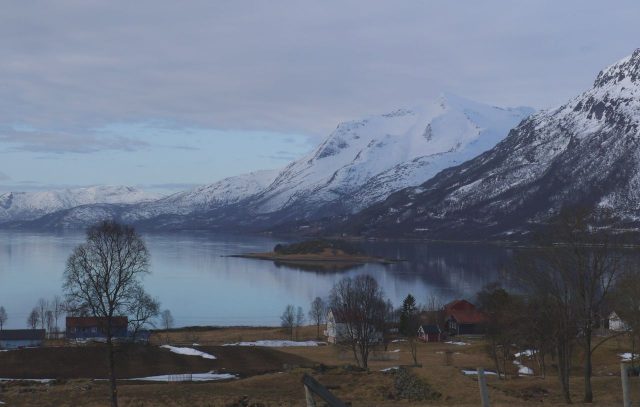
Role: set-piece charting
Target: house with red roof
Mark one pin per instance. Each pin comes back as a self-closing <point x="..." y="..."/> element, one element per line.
<point x="463" y="318"/>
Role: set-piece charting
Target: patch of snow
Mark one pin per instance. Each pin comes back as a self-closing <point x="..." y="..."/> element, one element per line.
<point x="522" y="369"/>
<point x="475" y="372"/>
<point x="396" y="350"/>
<point x="188" y="351"/>
<point x="5" y="379"/>
<point x="526" y="353"/>
<point x="457" y="343"/>
<point x="398" y="340"/>
<point x="626" y="357"/>
<point x="194" y="377"/>
<point x="390" y="369"/>
<point x="276" y="343"/>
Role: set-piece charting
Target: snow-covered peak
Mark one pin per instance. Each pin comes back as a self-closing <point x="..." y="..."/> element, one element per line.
<point x="414" y="144"/>
<point x="625" y="71"/>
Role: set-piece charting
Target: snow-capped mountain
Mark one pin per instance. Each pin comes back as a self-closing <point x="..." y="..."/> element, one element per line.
<point x="363" y="161"/>
<point x="585" y="152"/>
<point x="209" y="197"/>
<point x="360" y="163"/>
<point x="32" y="205"/>
<point x="156" y="212"/>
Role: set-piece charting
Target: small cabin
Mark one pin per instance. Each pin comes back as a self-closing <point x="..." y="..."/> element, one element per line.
<point x="430" y="333"/>
<point x="616" y="323"/>
<point x="96" y="327"/>
<point x="463" y="318"/>
<point x="21" y="338"/>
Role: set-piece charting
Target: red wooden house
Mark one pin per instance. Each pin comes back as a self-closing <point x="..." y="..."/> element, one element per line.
<point x="95" y="327"/>
<point x="430" y="333"/>
<point x="463" y="318"/>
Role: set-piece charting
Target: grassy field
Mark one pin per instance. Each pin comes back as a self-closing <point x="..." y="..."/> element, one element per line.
<point x="270" y="377"/>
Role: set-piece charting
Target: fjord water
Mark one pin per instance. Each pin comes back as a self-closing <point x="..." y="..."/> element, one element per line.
<point x="193" y="277"/>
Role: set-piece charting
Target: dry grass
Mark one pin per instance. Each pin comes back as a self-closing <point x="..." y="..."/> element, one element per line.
<point x="360" y="388"/>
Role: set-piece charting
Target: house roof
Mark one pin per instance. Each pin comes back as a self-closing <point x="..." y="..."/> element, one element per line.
<point x="88" y="322"/>
<point x="464" y="312"/>
<point x="22" y="334"/>
<point x="431" y="329"/>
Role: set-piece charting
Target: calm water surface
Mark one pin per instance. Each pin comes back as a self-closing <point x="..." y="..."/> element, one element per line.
<point x="192" y="277"/>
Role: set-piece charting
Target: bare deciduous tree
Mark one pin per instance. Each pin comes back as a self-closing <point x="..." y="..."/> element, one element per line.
<point x="33" y="319"/>
<point x="58" y="308"/>
<point x="318" y="313"/>
<point x="42" y="306"/>
<point x="50" y="320"/>
<point x="288" y="319"/>
<point x="167" y="319"/>
<point x="573" y="271"/>
<point x="3" y="317"/>
<point x="299" y="320"/>
<point x="359" y="302"/>
<point x="103" y="276"/>
<point x="143" y="311"/>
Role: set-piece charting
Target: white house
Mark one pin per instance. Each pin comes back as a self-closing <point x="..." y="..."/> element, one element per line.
<point x="336" y="330"/>
<point x="616" y="323"/>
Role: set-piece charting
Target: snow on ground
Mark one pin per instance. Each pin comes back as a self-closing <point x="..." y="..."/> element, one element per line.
<point x="398" y="340"/>
<point x="194" y="377"/>
<point x="5" y="379"/>
<point x="522" y="369"/>
<point x="277" y="343"/>
<point x="1" y="402"/>
<point x="475" y="372"/>
<point x="457" y="343"/>
<point x="626" y="357"/>
<point x="526" y="353"/>
<point x="188" y="351"/>
<point x="390" y="369"/>
<point x="396" y="350"/>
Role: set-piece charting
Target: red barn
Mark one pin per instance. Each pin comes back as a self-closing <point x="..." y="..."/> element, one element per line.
<point x="95" y="327"/>
<point x="430" y="333"/>
<point x="463" y="318"/>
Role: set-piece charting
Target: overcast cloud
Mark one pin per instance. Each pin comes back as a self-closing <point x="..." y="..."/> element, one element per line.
<point x="294" y="68"/>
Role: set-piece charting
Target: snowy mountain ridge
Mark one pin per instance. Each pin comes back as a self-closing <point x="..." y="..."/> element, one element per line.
<point x="31" y="205"/>
<point x="359" y="164"/>
<point x="363" y="161"/>
<point x="584" y="152"/>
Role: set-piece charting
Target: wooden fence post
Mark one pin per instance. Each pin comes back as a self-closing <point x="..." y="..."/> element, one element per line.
<point x="626" y="395"/>
<point x="482" y="382"/>
<point x="309" y="397"/>
<point x="311" y="387"/>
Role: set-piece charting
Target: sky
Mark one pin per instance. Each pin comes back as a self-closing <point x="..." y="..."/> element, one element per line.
<point x="166" y="95"/>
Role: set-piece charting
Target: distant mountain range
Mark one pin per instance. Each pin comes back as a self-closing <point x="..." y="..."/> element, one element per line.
<point x="33" y="205"/>
<point x="585" y="152"/>
<point x="451" y="169"/>
<point x="361" y="163"/>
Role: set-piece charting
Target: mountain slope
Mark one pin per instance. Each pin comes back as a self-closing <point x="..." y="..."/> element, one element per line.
<point x="32" y="205"/>
<point x="587" y="151"/>
<point x="360" y="163"/>
<point x="363" y="161"/>
<point x="209" y="197"/>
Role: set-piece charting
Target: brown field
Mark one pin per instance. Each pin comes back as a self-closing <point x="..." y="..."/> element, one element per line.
<point x="272" y="377"/>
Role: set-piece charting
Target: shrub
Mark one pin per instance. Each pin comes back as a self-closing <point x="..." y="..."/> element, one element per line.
<point x="408" y="386"/>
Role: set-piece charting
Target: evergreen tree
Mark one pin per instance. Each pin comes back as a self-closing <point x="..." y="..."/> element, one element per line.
<point x="409" y="310"/>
